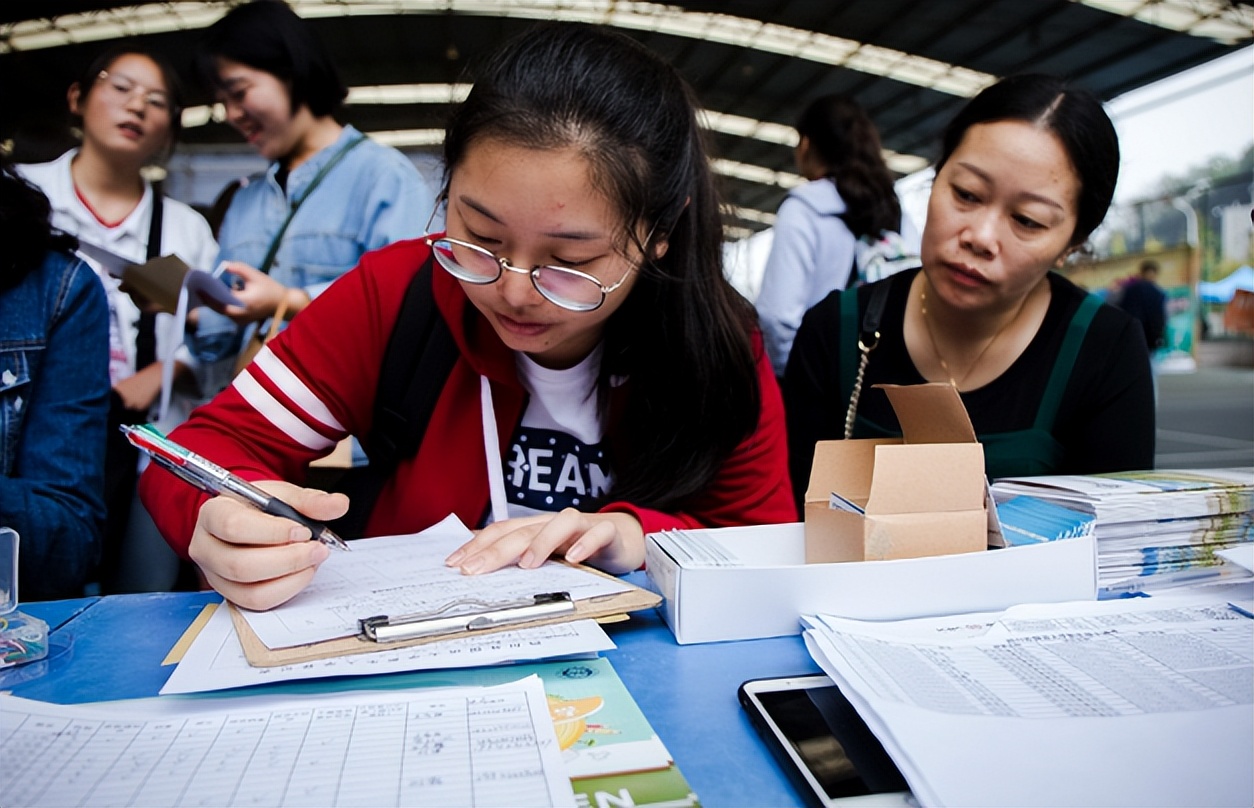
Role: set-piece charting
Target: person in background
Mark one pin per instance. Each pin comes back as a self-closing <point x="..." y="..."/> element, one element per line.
<point x="581" y="283"/>
<point x="1144" y="300"/>
<point x="128" y="103"/>
<point x="1055" y="382"/>
<point x="54" y="397"/>
<point x="281" y="91"/>
<point x="847" y="207"/>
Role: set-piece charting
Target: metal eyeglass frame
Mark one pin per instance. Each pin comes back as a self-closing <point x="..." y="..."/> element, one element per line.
<point x="157" y="99"/>
<point x="504" y="265"/>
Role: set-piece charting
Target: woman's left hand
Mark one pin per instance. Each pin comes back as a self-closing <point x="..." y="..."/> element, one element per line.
<point x="613" y="542"/>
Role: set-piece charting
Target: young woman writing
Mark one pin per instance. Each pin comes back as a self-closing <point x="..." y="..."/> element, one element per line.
<point x="580" y="277"/>
<point x="1054" y="382"/>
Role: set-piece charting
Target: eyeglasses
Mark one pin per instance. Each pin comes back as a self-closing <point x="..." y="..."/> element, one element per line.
<point x="124" y="87"/>
<point x="569" y="288"/>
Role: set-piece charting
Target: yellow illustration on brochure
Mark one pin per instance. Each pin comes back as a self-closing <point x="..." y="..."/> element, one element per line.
<point x="569" y="718"/>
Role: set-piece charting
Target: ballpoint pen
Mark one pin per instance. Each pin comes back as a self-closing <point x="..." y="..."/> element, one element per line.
<point x="213" y="479"/>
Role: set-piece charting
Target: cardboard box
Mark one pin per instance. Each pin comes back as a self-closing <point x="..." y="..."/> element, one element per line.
<point x="745" y="583"/>
<point x="924" y="494"/>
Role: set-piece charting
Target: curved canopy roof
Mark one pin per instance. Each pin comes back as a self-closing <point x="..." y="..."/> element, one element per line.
<point x="754" y="64"/>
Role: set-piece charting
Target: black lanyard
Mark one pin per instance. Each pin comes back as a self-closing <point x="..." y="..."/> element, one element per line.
<point x="146" y="337"/>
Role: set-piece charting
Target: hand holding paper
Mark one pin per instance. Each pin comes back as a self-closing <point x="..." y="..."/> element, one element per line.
<point x="161" y="280"/>
<point x="259" y="296"/>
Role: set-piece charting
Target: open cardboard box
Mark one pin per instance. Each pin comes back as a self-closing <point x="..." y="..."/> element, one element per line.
<point x="923" y="494"/>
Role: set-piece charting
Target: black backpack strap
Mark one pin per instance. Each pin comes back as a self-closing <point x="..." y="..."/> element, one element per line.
<point x="417" y="362"/>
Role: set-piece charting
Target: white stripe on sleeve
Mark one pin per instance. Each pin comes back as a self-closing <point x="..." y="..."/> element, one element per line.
<point x="292" y="387"/>
<point x="277" y="414"/>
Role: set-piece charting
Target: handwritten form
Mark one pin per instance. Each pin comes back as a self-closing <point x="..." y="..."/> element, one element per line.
<point x="215" y="660"/>
<point x="1148" y="701"/>
<point x="490" y="746"/>
<point x="395" y="575"/>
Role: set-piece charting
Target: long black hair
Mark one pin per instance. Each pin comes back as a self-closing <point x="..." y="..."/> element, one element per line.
<point x="683" y="334"/>
<point x="846" y="142"/>
<point x="25" y="229"/>
<point x="1073" y="115"/>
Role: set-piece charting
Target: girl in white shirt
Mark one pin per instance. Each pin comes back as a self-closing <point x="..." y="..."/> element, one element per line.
<point x="128" y="103"/>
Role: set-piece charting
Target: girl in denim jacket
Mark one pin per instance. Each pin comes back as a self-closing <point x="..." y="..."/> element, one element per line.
<point x="54" y="397"/>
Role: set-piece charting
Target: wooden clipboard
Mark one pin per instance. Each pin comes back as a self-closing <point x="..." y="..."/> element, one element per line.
<point x="259" y="655"/>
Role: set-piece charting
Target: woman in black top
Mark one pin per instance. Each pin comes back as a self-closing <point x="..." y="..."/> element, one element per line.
<point x="1054" y="381"/>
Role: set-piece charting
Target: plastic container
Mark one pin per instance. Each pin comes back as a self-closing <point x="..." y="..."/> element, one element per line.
<point x="22" y="638"/>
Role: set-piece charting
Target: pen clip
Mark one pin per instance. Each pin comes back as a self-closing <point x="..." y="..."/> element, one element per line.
<point x="382" y="628"/>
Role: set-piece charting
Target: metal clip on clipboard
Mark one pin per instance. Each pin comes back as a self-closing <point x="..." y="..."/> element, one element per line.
<point x="382" y="628"/>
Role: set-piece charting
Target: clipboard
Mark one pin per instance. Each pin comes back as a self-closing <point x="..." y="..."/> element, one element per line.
<point x="614" y="606"/>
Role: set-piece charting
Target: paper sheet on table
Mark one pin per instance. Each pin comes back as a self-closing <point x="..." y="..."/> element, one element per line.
<point x="491" y="746"/>
<point x="394" y="575"/>
<point x="1127" y="702"/>
<point x="1242" y="555"/>
<point x="215" y="660"/>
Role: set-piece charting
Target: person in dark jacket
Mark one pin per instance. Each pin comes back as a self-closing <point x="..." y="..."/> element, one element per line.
<point x="1144" y="299"/>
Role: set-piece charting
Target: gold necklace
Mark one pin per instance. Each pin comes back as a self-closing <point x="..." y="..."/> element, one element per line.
<point x="931" y="337"/>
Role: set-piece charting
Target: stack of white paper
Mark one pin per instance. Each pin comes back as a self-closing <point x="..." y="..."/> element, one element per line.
<point x="1138" y="702"/>
<point x="1154" y="529"/>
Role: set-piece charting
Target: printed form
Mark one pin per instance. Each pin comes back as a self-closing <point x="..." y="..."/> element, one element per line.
<point x="396" y="575"/>
<point x="216" y="661"/>
<point x="492" y="746"/>
<point x="1146" y="701"/>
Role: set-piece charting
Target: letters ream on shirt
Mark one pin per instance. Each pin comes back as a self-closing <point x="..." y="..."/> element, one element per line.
<point x="549" y="470"/>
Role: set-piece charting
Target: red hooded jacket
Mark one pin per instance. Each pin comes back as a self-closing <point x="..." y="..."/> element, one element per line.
<point x="315" y="383"/>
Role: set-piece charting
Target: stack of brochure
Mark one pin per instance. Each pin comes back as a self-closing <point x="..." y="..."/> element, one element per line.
<point x="1140" y="701"/>
<point x="1154" y="529"/>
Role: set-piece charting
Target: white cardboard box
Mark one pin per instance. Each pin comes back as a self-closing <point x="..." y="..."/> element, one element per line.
<point x="744" y="583"/>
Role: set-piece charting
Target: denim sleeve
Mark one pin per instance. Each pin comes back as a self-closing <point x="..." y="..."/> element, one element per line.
<point x="401" y="202"/>
<point x="54" y="501"/>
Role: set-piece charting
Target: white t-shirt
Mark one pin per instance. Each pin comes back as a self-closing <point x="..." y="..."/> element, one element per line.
<point x="184" y="232"/>
<point x="556" y="458"/>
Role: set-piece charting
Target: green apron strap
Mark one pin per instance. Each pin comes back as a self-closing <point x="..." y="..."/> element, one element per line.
<point x="1065" y="361"/>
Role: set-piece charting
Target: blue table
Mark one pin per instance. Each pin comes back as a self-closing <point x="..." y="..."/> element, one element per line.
<point x="116" y="645"/>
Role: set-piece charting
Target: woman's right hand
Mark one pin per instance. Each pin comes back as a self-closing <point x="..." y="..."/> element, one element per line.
<point x="255" y="560"/>
<point x="260" y="295"/>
